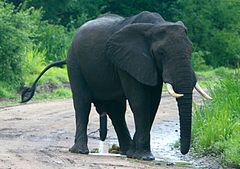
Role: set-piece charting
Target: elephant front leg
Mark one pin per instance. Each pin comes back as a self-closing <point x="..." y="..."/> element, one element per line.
<point x="139" y="97"/>
<point x="142" y="118"/>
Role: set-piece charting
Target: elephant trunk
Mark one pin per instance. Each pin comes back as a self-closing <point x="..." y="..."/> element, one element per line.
<point x="185" y="113"/>
<point x="182" y="77"/>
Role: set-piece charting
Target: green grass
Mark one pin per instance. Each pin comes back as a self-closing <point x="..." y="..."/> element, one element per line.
<point x="216" y="124"/>
<point x="35" y="63"/>
<point x="60" y="93"/>
<point x="208" y="78"/>
<point x="218" y="72"/>
<point x="53" y="75"/>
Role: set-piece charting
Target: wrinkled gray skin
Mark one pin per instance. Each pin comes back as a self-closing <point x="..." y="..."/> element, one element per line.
<point x="114" y="59"/>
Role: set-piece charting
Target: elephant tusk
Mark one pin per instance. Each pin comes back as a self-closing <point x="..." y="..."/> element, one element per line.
<point x="201" y="91"/>
<point x="172" y="92"/>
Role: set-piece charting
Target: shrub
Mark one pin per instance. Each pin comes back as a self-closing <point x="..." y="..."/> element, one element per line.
<point x="6" y="91"/>
<point x="25" y="43"/>
<point x="225" y="49"/>
<point x="34" y="63"/>
<point x="214" y="26"/>
<point x="16" y="31"/>
<point x="54" y="40"/>
<point x="198" y="62"/>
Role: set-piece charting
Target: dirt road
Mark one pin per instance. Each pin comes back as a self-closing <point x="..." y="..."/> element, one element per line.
<point x="38" y="135"/>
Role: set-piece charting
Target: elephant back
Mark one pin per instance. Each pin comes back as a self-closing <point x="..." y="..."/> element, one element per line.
<point x="145" y="17"/>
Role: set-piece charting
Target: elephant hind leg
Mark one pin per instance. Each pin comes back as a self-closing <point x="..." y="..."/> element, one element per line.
<point x="116" y="112"/>
<point x="82" y="106"/>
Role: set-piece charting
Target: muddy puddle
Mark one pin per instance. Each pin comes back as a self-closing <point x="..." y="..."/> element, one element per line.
<point x="164" y="143"/>
<point x="165" y="136"/>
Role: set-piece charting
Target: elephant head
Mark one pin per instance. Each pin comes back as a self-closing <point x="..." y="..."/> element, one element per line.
<point x="157" y="53"/>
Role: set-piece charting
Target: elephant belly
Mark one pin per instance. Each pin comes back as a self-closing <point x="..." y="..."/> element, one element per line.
<point x="104" y="84"/>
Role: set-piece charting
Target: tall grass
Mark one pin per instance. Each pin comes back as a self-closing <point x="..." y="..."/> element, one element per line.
<point x="35" y="63"/>
<point x="216" y="124"/>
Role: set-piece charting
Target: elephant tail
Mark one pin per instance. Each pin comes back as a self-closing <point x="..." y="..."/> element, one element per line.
<point x="103" y="126"/>
<point x="28" y="92"/>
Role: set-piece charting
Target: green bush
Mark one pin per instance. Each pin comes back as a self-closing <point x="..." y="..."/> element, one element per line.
<point x="75" y="12"/>
<point x="26" y="43"/>
<point x="34" y="63"/>
<point x="16" y="31"/>
<point x="54" y="40"/>
<point x="6" y="90"/>
<point x="225" y="48"/>
<point x="214" y="26"/>
<point x="198" y="62"/>
<point x="216" y="124"/>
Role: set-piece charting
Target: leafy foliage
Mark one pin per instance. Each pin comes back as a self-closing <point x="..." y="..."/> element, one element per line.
<point x="16" y="31"/>
<point x="34" y="63"/>
<point x="76" y="12"/>
<point x="168" y="9"/>
<point x="54" y="40"/>
<point x="198" y="62"/>
<point x="21" y="33"/>
<point x="213" y="26"/>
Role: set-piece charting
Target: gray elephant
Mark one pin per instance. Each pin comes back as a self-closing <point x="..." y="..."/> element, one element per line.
<point x="113" y="59"/>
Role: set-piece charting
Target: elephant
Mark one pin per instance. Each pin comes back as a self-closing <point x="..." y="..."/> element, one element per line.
<point x="113" y="59"/>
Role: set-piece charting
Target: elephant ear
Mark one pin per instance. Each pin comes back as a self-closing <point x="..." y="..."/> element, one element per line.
<point x="129" y="50"/>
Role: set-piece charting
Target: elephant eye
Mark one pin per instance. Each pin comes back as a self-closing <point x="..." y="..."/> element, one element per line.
<point x="160" y="52"/>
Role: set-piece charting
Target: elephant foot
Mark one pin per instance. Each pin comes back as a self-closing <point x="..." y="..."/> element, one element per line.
<point x="140" y="155"/>
<point x="77" y="148"/>
<point x="144" y="155"/>
<point x="131" y="153"/>
<point x="124" y="150"/>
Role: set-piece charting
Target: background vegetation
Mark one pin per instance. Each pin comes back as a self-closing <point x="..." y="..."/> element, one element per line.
<point x="34" y="33"/>
<point x="46" y="28"/>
